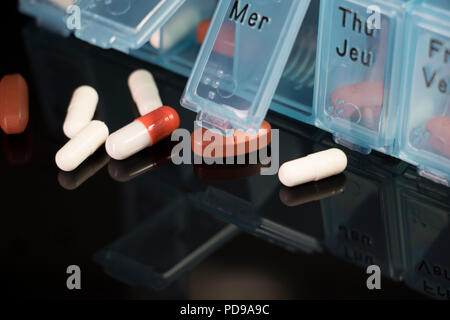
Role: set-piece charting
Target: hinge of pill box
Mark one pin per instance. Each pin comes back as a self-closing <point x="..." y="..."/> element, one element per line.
<point x="214" y="123"/>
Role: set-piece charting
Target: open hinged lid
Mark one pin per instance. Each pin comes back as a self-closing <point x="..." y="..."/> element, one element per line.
<point x="123" y="24"/>
<point x="241" y="62"/>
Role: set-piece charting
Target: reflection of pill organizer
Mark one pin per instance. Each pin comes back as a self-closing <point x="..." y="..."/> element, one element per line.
<point x="165" y="245"/>
<point x="425" y="230"/>
<point x="365" y="86"/>
<point x="159" y="31"/>
<point x="361" y="223"/>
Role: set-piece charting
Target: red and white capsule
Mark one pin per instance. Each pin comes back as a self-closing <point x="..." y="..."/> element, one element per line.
<point x="142" y="133"/>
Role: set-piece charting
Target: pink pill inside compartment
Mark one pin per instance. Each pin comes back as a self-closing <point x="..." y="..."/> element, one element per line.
<point x="439" y="130"/>
<point x="360" y="103"/>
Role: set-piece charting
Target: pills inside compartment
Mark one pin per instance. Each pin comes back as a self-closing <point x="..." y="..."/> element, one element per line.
<point x="425" y="133"/>
<point x="355" y="91"/>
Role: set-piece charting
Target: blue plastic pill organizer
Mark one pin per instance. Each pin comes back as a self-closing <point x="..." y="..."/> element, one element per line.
<point x="49" y="14"/>
<point x="158" y="31"/>
<point x="424" y="137"/>
<point x="319" y="62"/>
<point x="360" y="64"/>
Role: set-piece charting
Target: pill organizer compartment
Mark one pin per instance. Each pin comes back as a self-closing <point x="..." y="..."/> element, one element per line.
<point x="123" y="24"/>
<point x="425" y="124"/>
<point x="158" y="31"/>
<point x="295" y="91"/>
<point x="241" y="62"/>
<point x="359" y="63"/>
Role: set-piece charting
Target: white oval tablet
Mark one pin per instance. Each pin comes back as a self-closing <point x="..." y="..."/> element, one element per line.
<point x="314" y="167"/>
<point x="82" y="146"/>
<point x="81" y="110"/>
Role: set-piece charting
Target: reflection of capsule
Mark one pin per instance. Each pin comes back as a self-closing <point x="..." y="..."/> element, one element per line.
<point x="72" y="180"/>
<point x="206" y="143"/>
<point x="439" y="130"/>
<point x="360" y="103"/>
<point x="219" y="172"/>
<point x="313" y="191"/>
<point x="17" y="149"/>
<point x="145" y="161"/>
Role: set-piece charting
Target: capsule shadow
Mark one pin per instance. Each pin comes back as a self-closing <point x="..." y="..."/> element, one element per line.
<point x="72" y="180"/>
<point x="313" y="191"/>
<point x="145" y="161"/>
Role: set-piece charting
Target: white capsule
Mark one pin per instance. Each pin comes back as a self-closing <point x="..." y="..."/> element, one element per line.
<point x="81" y="110"/>
<point x="144" y="91"/>
<point x="128" y="141"/>
<point x="314" y="167"/>
<point x="84" y="144"/>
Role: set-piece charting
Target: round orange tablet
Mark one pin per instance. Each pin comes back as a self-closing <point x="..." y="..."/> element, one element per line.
<point x="360" y="103"/>
<point x="207" y="144"/>
<point x="439" y="129"/>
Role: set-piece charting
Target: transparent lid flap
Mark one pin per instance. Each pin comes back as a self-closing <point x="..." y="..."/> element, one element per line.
<point x="242" y="60"/>
<point x="123" y="24"/>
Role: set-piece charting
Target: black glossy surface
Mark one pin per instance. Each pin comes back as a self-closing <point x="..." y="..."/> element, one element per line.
<point x="182" y="232"/>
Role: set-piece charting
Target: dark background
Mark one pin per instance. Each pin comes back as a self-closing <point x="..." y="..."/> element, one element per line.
<point x="172" y="232"/>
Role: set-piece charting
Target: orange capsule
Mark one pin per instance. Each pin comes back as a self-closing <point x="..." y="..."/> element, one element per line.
<point x="208" y="144"/>
<point x="224" y="43"/>
<point x="13" y="104"/>
<point x="160" y="123"/>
